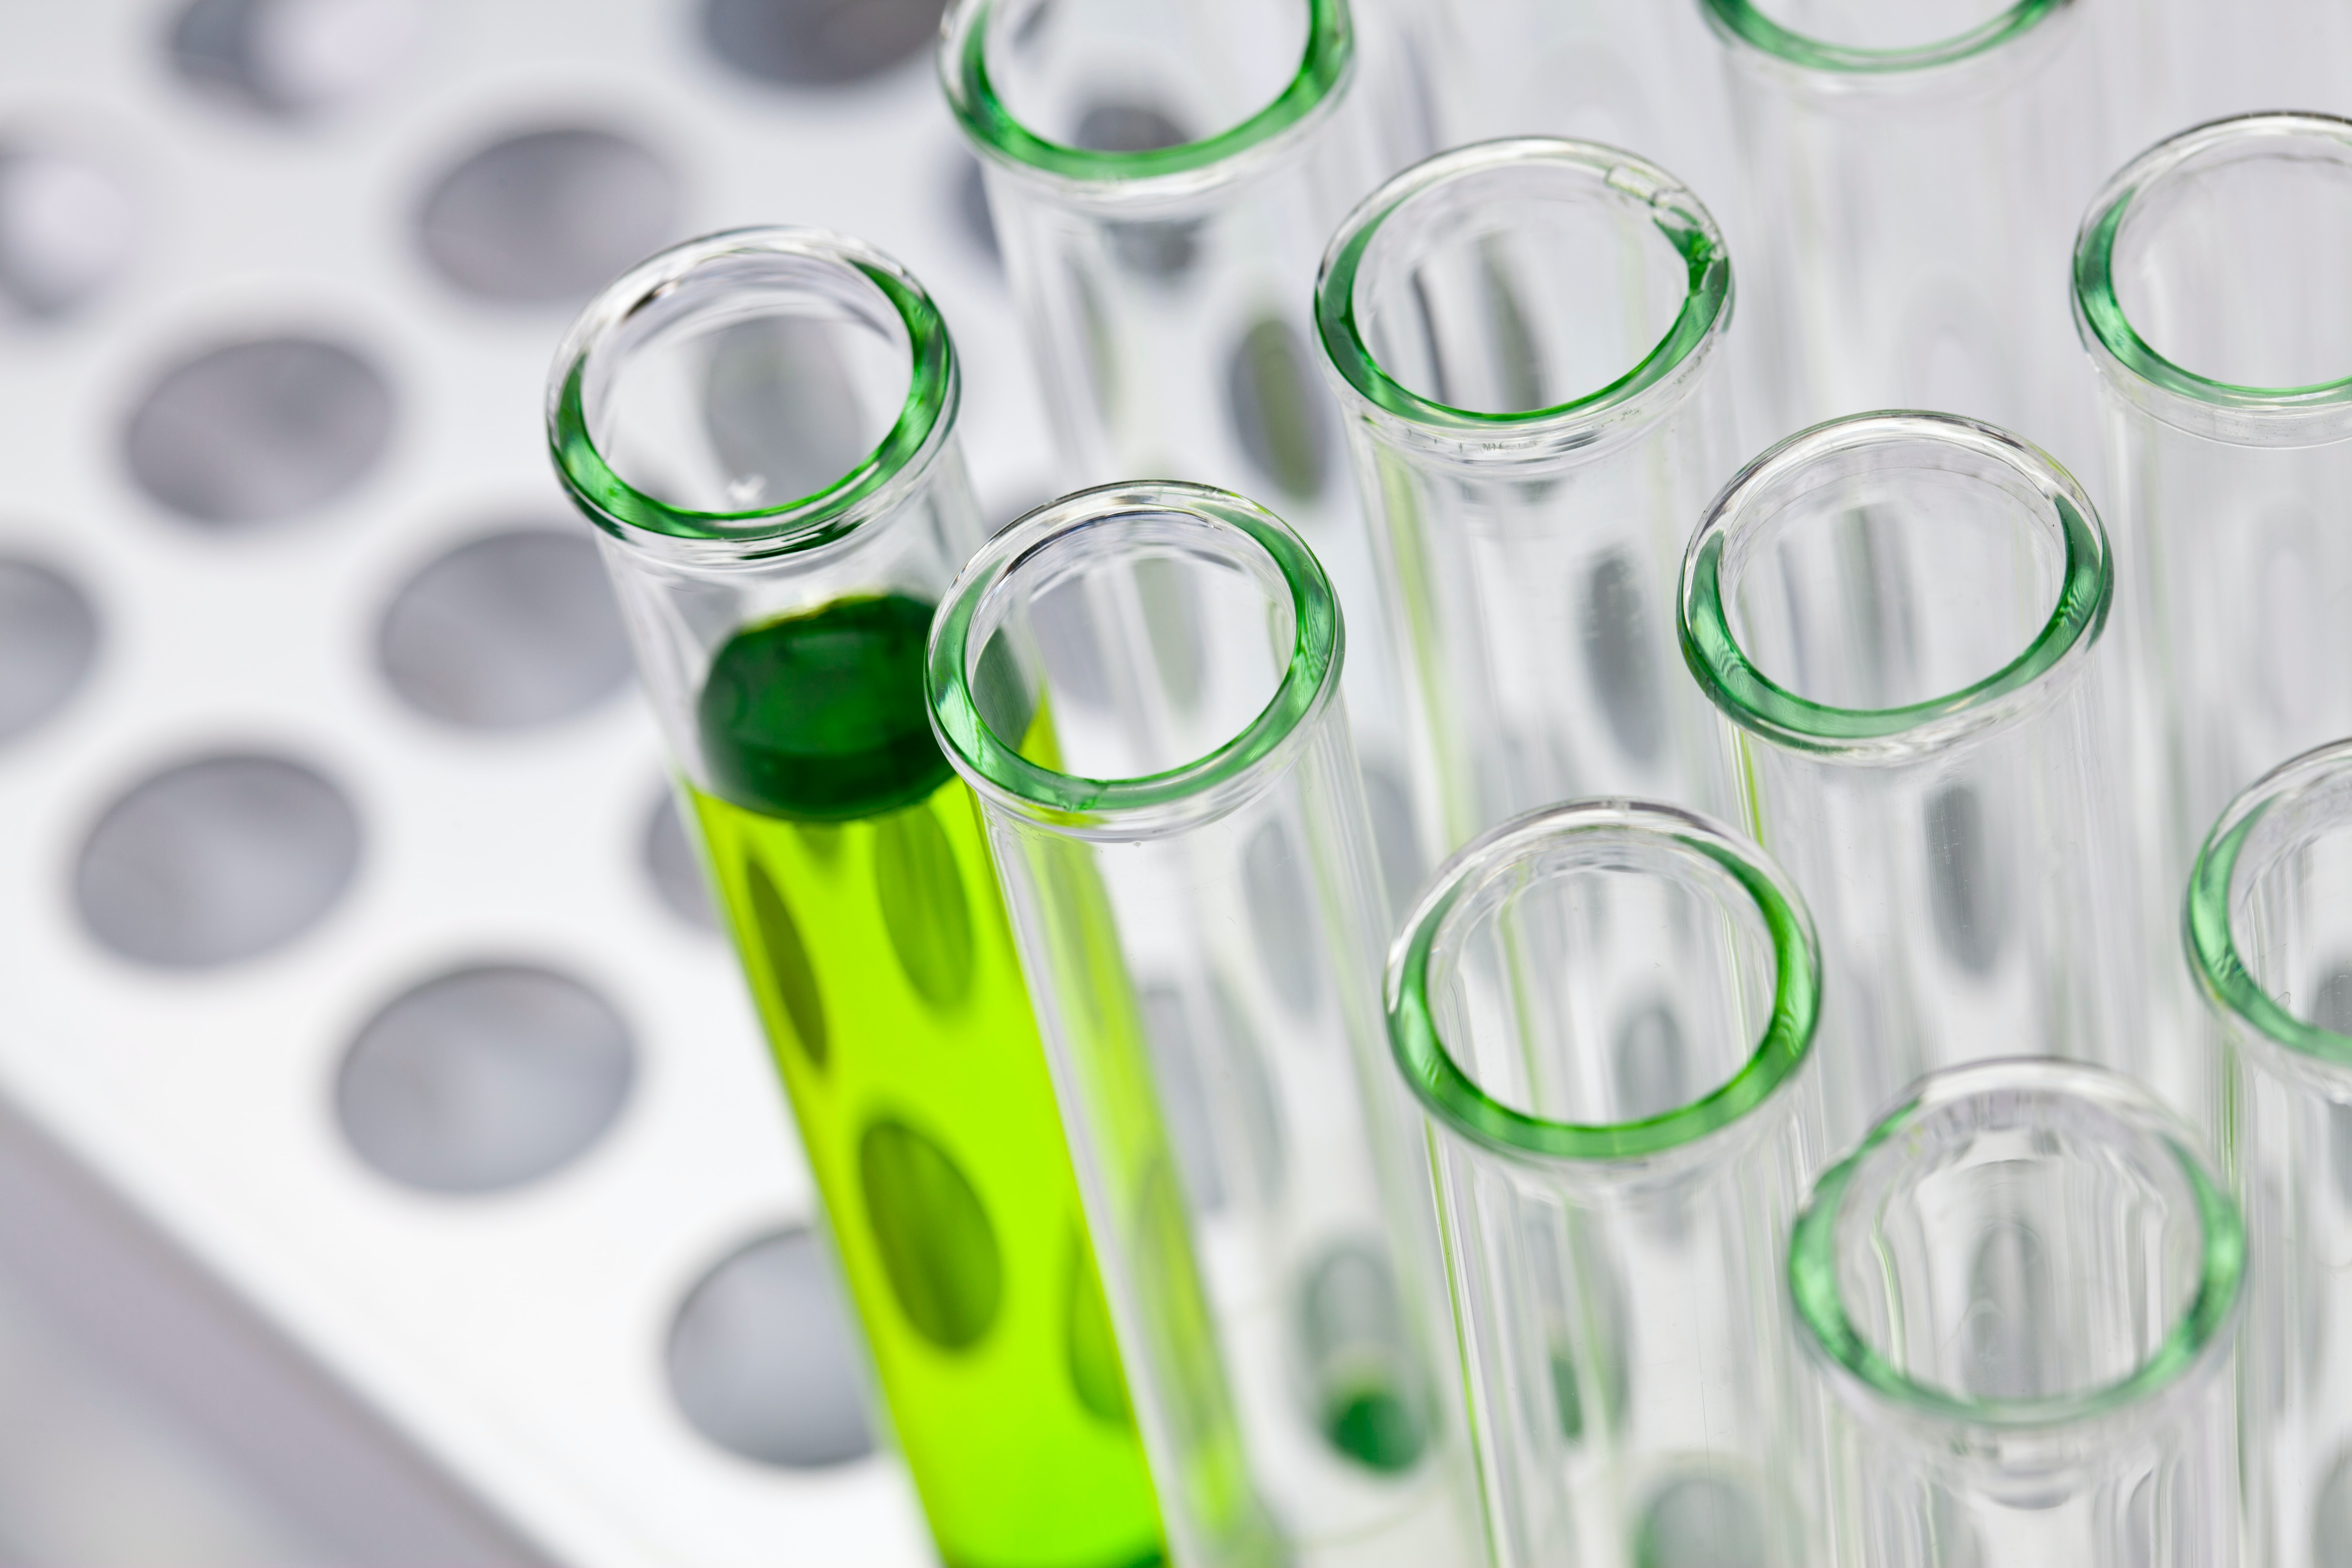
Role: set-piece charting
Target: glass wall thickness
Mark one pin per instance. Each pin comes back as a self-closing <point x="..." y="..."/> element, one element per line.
<point x="1524" y="337"/>
<point x="1162" y="179"/>
<point x="761" y="424"/>
<point x="2271" y="946"/>
<point x="1190" y="878"/>
<point x="2021" y="1290"/>
<point x="1608" y="1011"/>
<point x="1899" y="618"/>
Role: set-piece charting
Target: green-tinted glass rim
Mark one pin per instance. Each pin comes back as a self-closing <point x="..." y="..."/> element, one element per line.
<point x="1821" y="1308"/>
<point x="971" y="93"/>
<point x="2205" y="919"/>
<point x="1756" y="702"/>
<point x="615" y="505"/>
<point x="1455" y="1097"/>
<point x="1743" y="20"/>
<point x="1702" y="314"/>
<point x="2102" y="313"/>
<point x="995" y="762"/>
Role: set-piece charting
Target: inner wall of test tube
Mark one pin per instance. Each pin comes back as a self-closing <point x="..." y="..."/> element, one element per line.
<point x="2019" y="1243"/>
<point x="1604" y="982"/>
<point x="1884" y="25"/>
<point x="755" y="383"/>
<point x="2291" y="905"/>
<point x="1885" y="584"/>
<point x="1155" y="643"/>
<point x="1517" y="288"/>
<point x="2233" y="266"/>
<point x="1076" y="71"/>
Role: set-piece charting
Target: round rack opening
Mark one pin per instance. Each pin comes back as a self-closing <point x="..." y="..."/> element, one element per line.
<point x="763" y="1359"/>
<point x="546" y="216"/>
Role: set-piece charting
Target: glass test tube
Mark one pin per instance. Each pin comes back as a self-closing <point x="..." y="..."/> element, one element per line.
<point x="1900" y="617"/>
<point x="2021" y="1291"/>
<point x="2270" y="940"/>
<point x="1607" y="1009"/>
<point x="1914" y="171"/>
<point x="1163" y="176"/>
<point x="1524" y="337"/>
<point x="2208" y="292"/>
<point x="1191" y="882"/>
<point x="763" y="425"/>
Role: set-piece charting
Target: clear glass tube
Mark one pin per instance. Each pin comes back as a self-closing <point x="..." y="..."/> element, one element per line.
<point x="1914" y="171"/>
<point x="1191" y="879"/>
<point x="1899" y="618"/>
<point x="1525" y="338"/>
<point x="763" y="425"/>
<point x="2208" y="291"/>
<point x="2270" y="940"/>
<point x="1607" y="1009"/>
<point x="1163" y="176"/>
<point x="2021" y="1291"/>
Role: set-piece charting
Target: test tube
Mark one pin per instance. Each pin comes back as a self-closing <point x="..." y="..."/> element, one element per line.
<point x="1525" y="338"/>
<point x="1607" y="1009"/>
<point x="2207" y="291"/>
<point x="1914" y="171"/>
<point x="1191" y="882"/>
<point x="763" y="425"/>
<point x="1163" y="175"/>
<point x="2270" y="941"/>
<point x="2021" y="1292"/>
<point x="1898" y="616"/>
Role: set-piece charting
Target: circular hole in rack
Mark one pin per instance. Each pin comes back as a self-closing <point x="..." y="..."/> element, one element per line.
<point x="818" y="43"/>
<point x="505" y="632"/>
<point x="548" y="216"/>
<point x="256" y="431"/>
<point x="66" y="229"/>
<point x="48" y="639"/>
<point x="763" y="1359"/>
<point x="292" y="57"/>
<point x="675" y="869"/>
<point x="484" y="1079"/>
<point x="215" y="860"/>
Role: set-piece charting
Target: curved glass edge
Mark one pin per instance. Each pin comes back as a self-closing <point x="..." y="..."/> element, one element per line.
<point x="971" y="95"/>
<point x="993" y="764"/>
<point x="1756" y="703"/>
<point x="2115" y="343"/>
<point x="618" y="507"/>
<point x="1686" y="224"/>
<point x="2203" y="1325"/>
<point x="1450" y="1094"/>
<point x="2206" y="933"/>
<point x="1743" y="20"/>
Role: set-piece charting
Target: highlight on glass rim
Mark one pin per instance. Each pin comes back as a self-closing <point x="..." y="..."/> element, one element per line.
<point x="1176" y="784"/>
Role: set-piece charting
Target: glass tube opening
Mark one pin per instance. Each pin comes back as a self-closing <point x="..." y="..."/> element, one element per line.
<point x="1521" y="279"/>
<point x="1119" y="91"/>
<point x="2025" y="1244"/>
<point x="1602" y="981"/>
<point x="1879" y="580"/>
<point x="2270" y="909"/>
<point x="2213" y="266"/>
<point x="1181" y="634"/>
<point x="1876" y="36"/>
<point x="762" y="385"/>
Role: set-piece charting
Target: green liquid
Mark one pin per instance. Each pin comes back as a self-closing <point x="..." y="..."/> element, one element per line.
<point x="857" y="880"/>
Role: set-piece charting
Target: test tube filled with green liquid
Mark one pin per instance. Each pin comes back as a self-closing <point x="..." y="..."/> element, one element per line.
<point x="762" y="424"/>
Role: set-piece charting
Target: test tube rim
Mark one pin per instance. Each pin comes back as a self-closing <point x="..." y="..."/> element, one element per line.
<point x="1703" y="318"/>
<point x="1763" y="706"/>
<point x="1456" y="1101"/>
<point x="868" y="490"/>
<point x="2198" y="1339"/>
<point x="1151" y="805"/>
<point x="1745" y="22"/>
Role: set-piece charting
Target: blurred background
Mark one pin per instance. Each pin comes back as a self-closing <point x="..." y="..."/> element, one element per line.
<point x="390" y="1170"/>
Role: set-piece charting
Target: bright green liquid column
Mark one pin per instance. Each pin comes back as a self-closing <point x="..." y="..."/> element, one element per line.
<point x="859" y="887"/>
